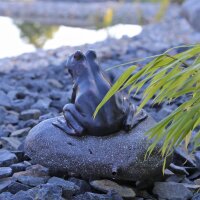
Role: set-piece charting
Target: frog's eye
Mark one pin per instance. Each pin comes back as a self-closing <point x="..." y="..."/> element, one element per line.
<point x="91" y="54"/>
<point x="78" y="55"/>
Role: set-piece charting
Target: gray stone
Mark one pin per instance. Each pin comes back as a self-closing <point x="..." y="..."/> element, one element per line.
<point x="17" y="94"/>
<point x="6" y="196"/>
<point x="5" y="172"/>
<point x="4" y="184"/>
<point x="69" y="188"/>
<point x="29" y="123"/>
<point x="164" y="112"/>
<point x="145" y="195"/>
<point x="58" y="104"/>
<point x="195" y="175"/>
<point x="191" y="10"/>
<point x="21" y="195"/>
<point x="15" y="187"/>
<point x="33" y="175"/>
<point x="8" y="130"/>
<point x="107" y="185"/>
<point x="4" y="100"/>
<point x="119" y="155"/>
<point x="22" y="104"/>
<point x="17" y="167"/>
<point x="177" y="169"/>
<point x="168" y="173"/>
<point x="188" y="181"/>
<point x="180" y="157"/>
<point x="47" y="116"/>
<point x="7" y="158"/>
<point x="197" y="181"/>
<point x="175" y="178"/>
<point x="3" y="114"/>
<point x="55" y="83"/>
<point x="47" y="192"/>
<point x="20" y="132"/>
<point x="12" y="117"/>
<point x="30" y="114"/>
<point x="171" y="190"/>
<point x="94" y="196"/>
<point x="42" y="104"/>
<point x="2" y="132"/>
<point x="37" y="170"/>
<point x="197" y="158"/>
<point x="12" y="143"/>
<point x="19" y="153"/>
<point x="32" y="180"/>
<point x="42" y="192"/>
<point x="196" y="196"/>
<point x="191" y="186"/>
<point x="83" y="185"/>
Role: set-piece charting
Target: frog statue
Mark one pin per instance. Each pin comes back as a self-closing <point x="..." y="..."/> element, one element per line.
<point x="91" y="84"/>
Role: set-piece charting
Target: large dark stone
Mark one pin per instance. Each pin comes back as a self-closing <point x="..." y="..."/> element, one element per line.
<point x="170" y="190"/>
<point x="119" y="155"/>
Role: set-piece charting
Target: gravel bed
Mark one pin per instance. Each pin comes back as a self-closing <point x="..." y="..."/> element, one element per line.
<point x="36" y="86"/>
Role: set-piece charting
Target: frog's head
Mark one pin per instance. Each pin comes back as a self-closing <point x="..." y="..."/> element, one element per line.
<point x="78" y="62"/>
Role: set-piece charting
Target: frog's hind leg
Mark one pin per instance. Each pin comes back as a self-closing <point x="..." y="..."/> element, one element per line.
<point x="70" y="113"/>
<point x="134" y="119"/>
<point x="69" y="125"/>
<point x="73" y="124"/>
<point x="80" y="118"/>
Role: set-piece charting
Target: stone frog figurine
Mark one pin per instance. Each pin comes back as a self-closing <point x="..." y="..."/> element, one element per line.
<point x="90" y="86"/>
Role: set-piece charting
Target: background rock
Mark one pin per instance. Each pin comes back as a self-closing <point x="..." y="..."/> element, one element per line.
<point x="191" y="10"/>
<point x="172" y="190"/>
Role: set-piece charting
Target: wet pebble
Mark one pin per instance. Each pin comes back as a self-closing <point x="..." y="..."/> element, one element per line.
<point x="7" y="158"/>
<point x="20" y="133"/>
<point x="5" y="172"/>
<point x="171" y="190"/>
<point x="69" y="188"/>
<point x="30" y="114"/>
<point x="107" y="185"/>
<point x="4" y="100"/>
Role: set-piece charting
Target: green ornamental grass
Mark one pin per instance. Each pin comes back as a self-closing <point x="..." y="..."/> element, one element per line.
<point x="168" y="78"/>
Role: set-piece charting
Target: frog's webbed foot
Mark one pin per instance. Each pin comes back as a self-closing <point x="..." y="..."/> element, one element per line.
<point x="69" y="124"/>
<point x="133" y="119"/>
<point x="62" y="124"/>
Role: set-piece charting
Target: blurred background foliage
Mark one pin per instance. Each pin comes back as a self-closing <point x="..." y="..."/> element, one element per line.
<point x="36" y="34"/>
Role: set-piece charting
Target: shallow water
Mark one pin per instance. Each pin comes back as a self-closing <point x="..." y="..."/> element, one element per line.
<point x="18" y="37"/>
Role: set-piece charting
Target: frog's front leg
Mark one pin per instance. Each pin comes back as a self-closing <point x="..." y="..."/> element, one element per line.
<point x="69" y="124"/>
<point x="132" y="118"/>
